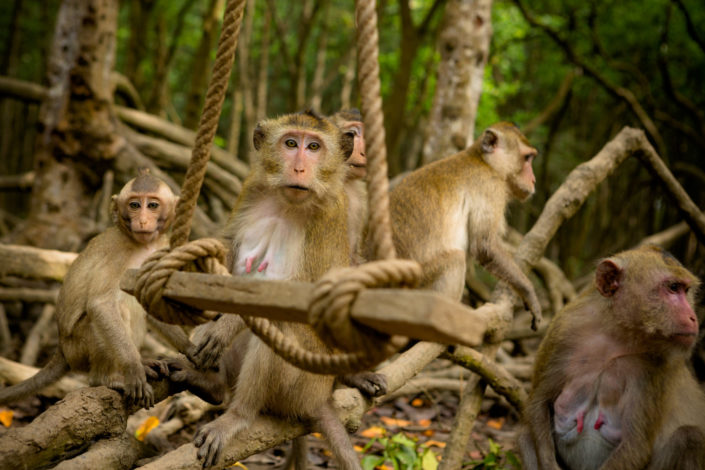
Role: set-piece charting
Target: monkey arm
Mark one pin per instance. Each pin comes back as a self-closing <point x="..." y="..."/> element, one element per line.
<point x="501" y="264"/>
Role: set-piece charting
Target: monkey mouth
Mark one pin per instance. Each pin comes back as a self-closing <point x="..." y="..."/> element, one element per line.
<point x="685" y="338"/>
<point x="297" y="187"/>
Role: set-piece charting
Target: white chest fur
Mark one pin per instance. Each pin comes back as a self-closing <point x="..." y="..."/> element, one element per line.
<point x="268" y="244"/>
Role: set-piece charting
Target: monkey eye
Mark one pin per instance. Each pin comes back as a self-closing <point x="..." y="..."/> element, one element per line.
<point x="153" y="205"/>
<point x="529" y="157"/>
<point x="314" y="145"/>
<point x="134" y="205"/>
<point x="291" y="143"/>
<point x="676" y="287"/>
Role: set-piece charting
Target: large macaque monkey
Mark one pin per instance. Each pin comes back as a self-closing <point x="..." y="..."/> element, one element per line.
<point x="350" y="121"/>
<point x="456" y="204"/>
<point x="290" y="222"/>
<point x="101" y="327"/>
<point x="611" y="386"/>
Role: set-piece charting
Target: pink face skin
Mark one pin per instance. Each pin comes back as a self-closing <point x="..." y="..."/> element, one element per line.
<point x="144" y="212"/>
<point x="301" y="151"/>
<point x="527" y="180"/>
<point x="357" y="161"/>
<point x="674" y="294"/>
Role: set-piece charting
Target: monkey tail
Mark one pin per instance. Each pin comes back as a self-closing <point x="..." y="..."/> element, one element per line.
<point x="56" y="368"/>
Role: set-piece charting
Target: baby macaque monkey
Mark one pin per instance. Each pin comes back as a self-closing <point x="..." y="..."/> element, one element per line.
<point x="611" y="385"/>
<point x="456" y="204"/>
<point x="101" y="327"/>
<point x="350" y="121"/>
<point x="290" y="222"/>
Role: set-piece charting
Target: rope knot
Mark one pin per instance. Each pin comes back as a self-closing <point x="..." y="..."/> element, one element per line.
<point x="335" y="293"/>
<point x="206" y="255"/>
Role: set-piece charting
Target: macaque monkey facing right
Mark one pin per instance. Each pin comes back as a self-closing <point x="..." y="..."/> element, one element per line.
<point x="611" y="388"/>
<point x="101" y="327"/>
<point x="457" y="203"/>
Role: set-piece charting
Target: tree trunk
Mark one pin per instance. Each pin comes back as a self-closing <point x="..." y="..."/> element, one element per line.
<point x="319" y="72"/>
<point x="76" y="139"/>
<point x="245" y="73"/>
<point x="464" y="46"/>
<point x="202" y="64"/>
<point x="263" y="68"/>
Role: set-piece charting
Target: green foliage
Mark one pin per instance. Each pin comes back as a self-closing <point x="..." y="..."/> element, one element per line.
<point x="402" y="452"/>
<point x="496" y="459"/>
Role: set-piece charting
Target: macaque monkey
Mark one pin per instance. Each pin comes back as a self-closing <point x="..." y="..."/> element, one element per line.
<point x="456" y="204"/>
<point x="350" y="121"/>
<point x="290" y="222"/>
<point x="101" y="327"/>
<point x="611" y="385"/>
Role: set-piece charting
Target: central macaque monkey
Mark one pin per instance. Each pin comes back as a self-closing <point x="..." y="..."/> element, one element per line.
<point x="611" y="386"/>
<point x="290" y="222"/>
<point x="457" y="203"/>
<point x="101" y="327"/>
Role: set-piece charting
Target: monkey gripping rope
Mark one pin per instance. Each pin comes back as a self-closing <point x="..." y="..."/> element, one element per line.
<point x="337" y="290"/>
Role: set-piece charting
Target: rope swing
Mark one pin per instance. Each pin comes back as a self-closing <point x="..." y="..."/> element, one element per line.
<point x="335" y="292"/>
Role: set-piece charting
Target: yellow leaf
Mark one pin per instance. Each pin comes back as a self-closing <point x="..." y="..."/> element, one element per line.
<point x="433" y="443"/>
<point x="317" y="435"/>
<point x="424" y="422"/>
<point x="238" y="464"/>
<point x="428" y="432"/>
<point x="358" y="448"/>
<point x="417" y="402"/>
<point x="496" y="423"/>
<point x="6" y="417"/>
<point x="374" y="431"/>
<point x="395" y="422"/>
<point x="145" y="428"/>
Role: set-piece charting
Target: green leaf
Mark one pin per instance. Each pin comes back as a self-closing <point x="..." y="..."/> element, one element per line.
<point x="369" y="462"/>
<point x="429" y="460"/>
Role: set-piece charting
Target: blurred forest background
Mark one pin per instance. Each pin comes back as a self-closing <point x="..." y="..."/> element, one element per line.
<point x="570" y="73"/>
<point x="92" y="90"/>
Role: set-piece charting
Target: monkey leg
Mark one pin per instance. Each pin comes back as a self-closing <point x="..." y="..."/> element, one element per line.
<point x="338" y="438"/>
<point x="527" y="450"/>
<point x="370" y="384"/>
<point x="445" y="273"/>
<point x="684" y="450"/>
<point x="114" y="357"/>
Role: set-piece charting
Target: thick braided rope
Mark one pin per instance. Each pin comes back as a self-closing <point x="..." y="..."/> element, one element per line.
<point x="155" y="272"/>
<point x="225" y="56"/>
<point x="334" y="294"/>
<point x="371" y="104"/>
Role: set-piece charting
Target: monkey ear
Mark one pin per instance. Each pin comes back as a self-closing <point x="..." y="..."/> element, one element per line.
<point x="608" y="277"/>
<point x="489" y="141"/>
<point x="114" y="209"/>
<point x="258" y="137"/>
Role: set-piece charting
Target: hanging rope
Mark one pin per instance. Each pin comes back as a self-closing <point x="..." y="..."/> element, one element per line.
<point x="207" y="126"/>
<point x="373" y="118"/>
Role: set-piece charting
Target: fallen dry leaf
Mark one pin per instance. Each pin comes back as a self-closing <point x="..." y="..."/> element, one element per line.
<point x="496" y="423"/>
<point x="395" y="422"/>
<point x="424" y="422"/>
<point x="6" y="417"/>
<point x="145" y="428"/>
<point x="374" y="431"/>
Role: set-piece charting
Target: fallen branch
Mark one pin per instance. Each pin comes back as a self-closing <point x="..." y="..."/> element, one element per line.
<point x="33" y="344"/>
<point x="12" y="372"/>
<point x="36" y="263"/>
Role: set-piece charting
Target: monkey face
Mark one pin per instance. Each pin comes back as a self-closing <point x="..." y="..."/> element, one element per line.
<point x="357" y="161"/>
<point x="523" y="182"/>
<point x="301" y="151"/>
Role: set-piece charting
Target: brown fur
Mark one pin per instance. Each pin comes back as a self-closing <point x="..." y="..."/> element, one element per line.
<point x="456" y="204"/>
<point x="277" y="235"/>
<point x="101" y="327"/>
<point x="611" y="388"/>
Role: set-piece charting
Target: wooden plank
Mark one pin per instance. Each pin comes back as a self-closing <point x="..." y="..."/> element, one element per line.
<point x="419" y="314"/>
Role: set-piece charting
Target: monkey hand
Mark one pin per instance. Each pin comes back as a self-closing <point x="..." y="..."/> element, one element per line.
<point x="134" y="387"/>
<point x="212" y="437"/>
<point x="370" y="384"/>
<point x="155" y="369"/>
<point x="532" y="304"/>
<point x="211" y="340"/>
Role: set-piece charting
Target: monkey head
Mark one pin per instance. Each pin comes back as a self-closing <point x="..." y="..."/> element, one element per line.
<point x="651" y="295"/>
<point x="507" y="151"/>
<point x="350" y="121"/>
<point x="301" y="156"/>
<point x="144" y="208"/>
